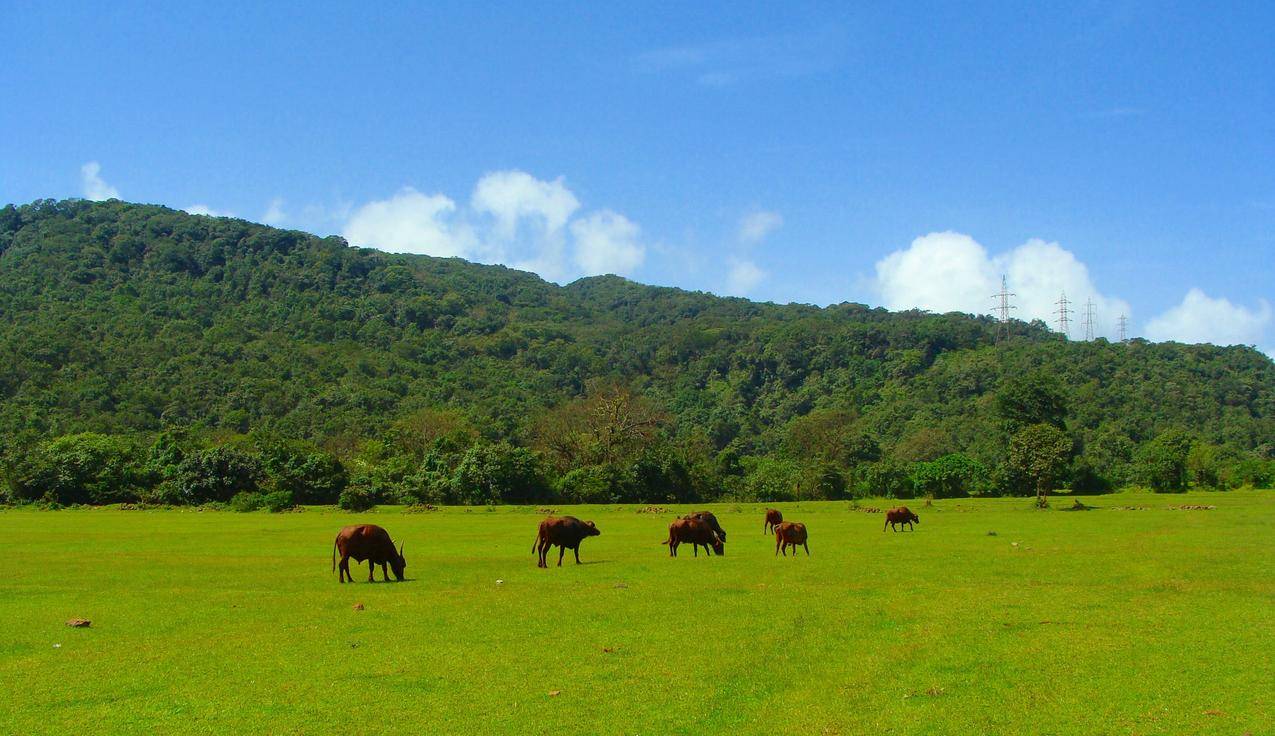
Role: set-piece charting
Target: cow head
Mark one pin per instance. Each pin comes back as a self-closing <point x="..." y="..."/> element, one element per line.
<point x="592" y="530"/>
<point x="914" y="518"/>
<point x="719" y="545"/>
<point x="398" y="564"/>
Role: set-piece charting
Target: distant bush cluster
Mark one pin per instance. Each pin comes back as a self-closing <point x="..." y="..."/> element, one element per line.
<point x="612" y="448"/>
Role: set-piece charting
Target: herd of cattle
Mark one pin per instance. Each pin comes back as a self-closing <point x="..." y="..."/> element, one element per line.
<point x="371" y="543"/>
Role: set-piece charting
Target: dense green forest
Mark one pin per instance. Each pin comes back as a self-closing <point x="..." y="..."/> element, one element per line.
<point x="160" y="357"/>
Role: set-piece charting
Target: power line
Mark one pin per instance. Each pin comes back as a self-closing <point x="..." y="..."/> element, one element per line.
<point x="1089" y="320"/>
<point x="1064" y="316"/>
<point x="1002" y="309"/>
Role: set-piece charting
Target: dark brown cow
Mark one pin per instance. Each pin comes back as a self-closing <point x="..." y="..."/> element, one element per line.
<point x="367" y="542"/>
<point x="901" y="515"/>
<point x="708" y="518"/>
<point x="790" y="534"/>
<point x="773" y="518"/>
<point x="565" y="531"/>
<point x="694" y="531"/>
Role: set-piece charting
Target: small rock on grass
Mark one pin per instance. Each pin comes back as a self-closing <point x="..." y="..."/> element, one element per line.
<point x="358" y="606"/>
<point x="554" y="693"/>
<point x="79" y="623"/>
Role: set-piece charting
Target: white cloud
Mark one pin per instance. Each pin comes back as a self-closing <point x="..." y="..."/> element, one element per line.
<point x="952" y="272"/>
<point x="410" y="222"/>
<point x="95" y="188"/>
<point x="607" y="242"/>
<point x="1201" y="318"/>
<point x="742" y="277"/>
<point x="511" y="196"/>
<point x="203" y="209"/>
<point x="755" y="226"/>
<point x="512" y="218"/>
<point x="274" y="214"/>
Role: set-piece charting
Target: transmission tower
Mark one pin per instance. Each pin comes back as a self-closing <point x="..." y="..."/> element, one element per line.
<point x="1064" y="316"/>
<point x="1124" y="328"/>
<point x="1001" y="310"/>
<point x="1089" y="320"/>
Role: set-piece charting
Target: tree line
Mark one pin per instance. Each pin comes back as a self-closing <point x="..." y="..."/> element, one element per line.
<point x="612" y="446"/>
<point x="160" y="357"/>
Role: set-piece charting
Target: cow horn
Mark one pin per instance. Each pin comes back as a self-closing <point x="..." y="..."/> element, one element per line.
<point x="400" y="550"/>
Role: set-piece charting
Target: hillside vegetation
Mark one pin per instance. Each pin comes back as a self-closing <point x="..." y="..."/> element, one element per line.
<point x="158" y="356"/>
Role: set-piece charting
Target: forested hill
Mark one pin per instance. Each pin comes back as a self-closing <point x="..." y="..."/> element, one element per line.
<point x="139" y="321"/>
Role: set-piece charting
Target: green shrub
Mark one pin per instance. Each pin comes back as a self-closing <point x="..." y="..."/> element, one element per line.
<point x="887" y="478"/>
<point x="357" y="498"/>
<point x="247" y="501"/>
<point x="277" y="501"/>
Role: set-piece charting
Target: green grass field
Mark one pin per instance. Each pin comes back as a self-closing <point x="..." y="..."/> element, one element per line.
<point x="1113" y="620"/>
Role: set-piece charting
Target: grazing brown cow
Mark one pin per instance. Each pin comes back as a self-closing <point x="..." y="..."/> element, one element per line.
<point x="694" y="531"/>
<point x="790" y="534"/>
<point x="773" y="517"/>
<point x="708" y="518"/>
<point x="367" y="542"/>
<point x="901" y="515"/>
<point x="565" y="531"/>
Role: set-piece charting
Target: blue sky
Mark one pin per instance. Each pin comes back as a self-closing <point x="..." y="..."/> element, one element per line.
<point x="902" y="156"/>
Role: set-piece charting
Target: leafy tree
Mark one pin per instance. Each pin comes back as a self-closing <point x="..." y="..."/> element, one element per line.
<point x="950" y="476"/>
<point x="81" y="468"/>
<point x="499" y="474"/>
<point x="302" y="472"/>
<point x="218" y="474"/>
<point x="1032" y="398"/>
<point x="1038" y="459"/>
<point x="887" y="478"/>
<point x="1162" y="462"/>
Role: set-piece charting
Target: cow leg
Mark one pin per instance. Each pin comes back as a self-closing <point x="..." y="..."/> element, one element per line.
<point x="776" y="547"/>
<point x="576" y="550"/>
<point x="343" y="569"/>
<point x="544" y="554"/>
<point x="695" y="546"/>
<point x="385" y="571"/>
<point x="371" y="571"/>
<point x="561" y="551"/>
<point x="887" y="523"/>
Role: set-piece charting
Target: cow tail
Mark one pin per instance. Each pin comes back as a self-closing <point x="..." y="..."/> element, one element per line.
<point x="333" y="555"/>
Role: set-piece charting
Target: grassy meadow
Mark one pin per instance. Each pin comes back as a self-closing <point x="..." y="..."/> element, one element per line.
<point x="1146" y="620"/>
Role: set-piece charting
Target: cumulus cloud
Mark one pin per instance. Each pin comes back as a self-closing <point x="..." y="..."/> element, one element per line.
<point x="95" y="188"/>
<point x="511" y="218"/>
<point x="410" y="222"/>
<point x="203" y="209"/>
<point x="742" y="276"/>
<point x="952" y="272"/>
<point x="1201" y="318"/>
<point x="755" y="226"/>
<point x="607" y="242"/>
<point x="274" y="214"/>
<point x="513" y="196"/>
